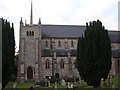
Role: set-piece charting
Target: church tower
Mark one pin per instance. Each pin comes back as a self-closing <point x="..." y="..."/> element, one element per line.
<point x="29" y="51"/>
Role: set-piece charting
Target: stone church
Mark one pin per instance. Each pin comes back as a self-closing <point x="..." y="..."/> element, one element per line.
<point x="46" y="50"/>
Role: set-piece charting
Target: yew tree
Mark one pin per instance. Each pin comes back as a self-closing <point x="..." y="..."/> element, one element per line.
<point x="94" y="54"/>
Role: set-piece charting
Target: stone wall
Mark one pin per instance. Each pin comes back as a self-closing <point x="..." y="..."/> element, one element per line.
<point x="65" y="43"/>
<point x="63" y="72"/>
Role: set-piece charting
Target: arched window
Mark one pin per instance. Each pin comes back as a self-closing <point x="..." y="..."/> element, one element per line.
<point x="47" y="64"/>
<point x="72" y="44"/>
<point x="59" y="44"/>
<point x="61" y="64"/>
<point x="27" y="33"/>
<point x="32" y="33"/>
<point x="46" y="43"/>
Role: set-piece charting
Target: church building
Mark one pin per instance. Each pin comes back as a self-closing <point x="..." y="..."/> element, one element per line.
<point x="48" y="50"/>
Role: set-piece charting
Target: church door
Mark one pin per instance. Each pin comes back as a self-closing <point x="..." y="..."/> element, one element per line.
<point x="29" y="73"/>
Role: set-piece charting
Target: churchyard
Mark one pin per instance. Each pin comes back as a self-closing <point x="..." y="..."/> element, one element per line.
<point x="108" y="83"/>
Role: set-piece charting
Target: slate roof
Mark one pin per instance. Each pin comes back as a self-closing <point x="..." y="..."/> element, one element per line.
<point x="48" y="53"/>
<point x="70" y="31"/>
<point x="114" y="36"/>
<point x="59" y="52"/>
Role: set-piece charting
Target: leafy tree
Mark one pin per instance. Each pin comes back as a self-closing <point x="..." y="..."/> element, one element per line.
<point x="94" y="54"/>
<point x="8" y="51"/>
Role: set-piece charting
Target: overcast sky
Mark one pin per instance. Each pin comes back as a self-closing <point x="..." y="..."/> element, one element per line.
<point x="67" y="12"/>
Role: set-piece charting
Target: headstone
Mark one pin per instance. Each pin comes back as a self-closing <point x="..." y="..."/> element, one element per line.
<point x="80" y="80"/>
<point x="55" y="85"/>
<point x="14" y="84"/>
<point x="68" y="85"/>
<point x="102" y="82"/>
<point x="110" y="82"/>
<point x="71" y="86"/>
<point x="37" y="86"/>
<point x="49" y="84"/>
<point x="63" y="82"/>
<point x="46" y="83"/>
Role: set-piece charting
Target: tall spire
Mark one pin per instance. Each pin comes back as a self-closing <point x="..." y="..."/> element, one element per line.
<point x="31" y="15"/>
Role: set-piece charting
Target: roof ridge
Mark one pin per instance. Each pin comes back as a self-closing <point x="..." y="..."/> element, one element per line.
<point x="61" y="25"/>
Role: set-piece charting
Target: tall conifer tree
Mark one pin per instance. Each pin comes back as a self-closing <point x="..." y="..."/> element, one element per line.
<point x="8" y="52"/>
<point x="94" y="54"/>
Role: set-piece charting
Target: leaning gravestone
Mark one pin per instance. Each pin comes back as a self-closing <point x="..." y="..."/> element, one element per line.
<point x="63" y="82"/>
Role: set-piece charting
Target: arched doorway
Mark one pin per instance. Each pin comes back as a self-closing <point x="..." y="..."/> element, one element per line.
<point x="29" y="73"/>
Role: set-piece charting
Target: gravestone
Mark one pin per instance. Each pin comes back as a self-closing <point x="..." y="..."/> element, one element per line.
<point x="80" y="80"/>
<point x="46" y="83"/>
<point x="49" y="84"/>
<point x="55" y="85"/>
<point x="63" y="82"/>
<point x="71" y="86"/>
<point x="68" y="85"/>
<point x="110" y="82"/>
<point x="14" y="84"/>
<point x="102" y="82"/>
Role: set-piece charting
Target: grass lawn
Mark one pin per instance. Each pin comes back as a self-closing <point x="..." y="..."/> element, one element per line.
<point x="20" y="85"/>
<point x="116" y="82"/>
<point x="25" y="85"/>
<point x="29" y="84"/>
